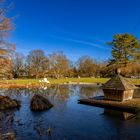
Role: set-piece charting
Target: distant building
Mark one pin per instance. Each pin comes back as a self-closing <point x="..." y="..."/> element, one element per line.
<point x="118" y="88"/>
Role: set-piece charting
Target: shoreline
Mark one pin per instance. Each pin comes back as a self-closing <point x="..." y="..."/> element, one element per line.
<point x="15" y="85"/>
<point x="34" y="83"/>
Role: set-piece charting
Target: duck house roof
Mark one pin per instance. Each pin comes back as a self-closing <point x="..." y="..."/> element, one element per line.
<point x="119" y="83"/>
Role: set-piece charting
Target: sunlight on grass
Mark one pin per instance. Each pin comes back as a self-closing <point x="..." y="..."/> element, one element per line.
<point x="63" y="81"/>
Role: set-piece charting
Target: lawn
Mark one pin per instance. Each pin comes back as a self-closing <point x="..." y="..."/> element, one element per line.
<point x="35" y="82"/>
<point x="57" y="81"/>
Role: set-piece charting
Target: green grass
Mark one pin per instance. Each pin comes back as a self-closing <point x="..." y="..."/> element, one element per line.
<point x="78" y="80"/>
<point x="135" y="81"/>
<point x="20" y="81"/>
<point x="64" y="80"/>
<point x="57" y="81"/>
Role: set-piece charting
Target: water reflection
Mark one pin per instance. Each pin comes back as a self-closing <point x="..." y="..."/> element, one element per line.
<point x="137" y="93"/>
<point x="118" y="114"/>
<point x="67" y="119"/>
<point x="6" y="121"/>
<point x="61" y="93"/>
<point x="91" y="91"/>
<point x="123" y="123"/>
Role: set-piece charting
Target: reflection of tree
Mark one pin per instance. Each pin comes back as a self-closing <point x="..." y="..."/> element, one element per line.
<point x="6" y="121"/>
<point x="89" y="91"/>
<point x="55" y="93"/>
<point x="16" y="93"/>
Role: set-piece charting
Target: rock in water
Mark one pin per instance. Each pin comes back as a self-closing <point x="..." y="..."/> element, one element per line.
<point x="7" y="103"/>
<point x="39" y="103"/>
<point x="8" y="136"/>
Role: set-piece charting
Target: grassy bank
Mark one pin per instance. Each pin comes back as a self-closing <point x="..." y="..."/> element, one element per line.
<point x="35" y="82"/>
<point x="57" y="81"/>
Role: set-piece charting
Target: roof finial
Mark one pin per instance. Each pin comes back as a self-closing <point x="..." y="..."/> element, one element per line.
<point x="118" y="71"/>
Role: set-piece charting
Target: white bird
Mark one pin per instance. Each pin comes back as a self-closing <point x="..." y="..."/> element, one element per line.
<point x="46" y="80"/>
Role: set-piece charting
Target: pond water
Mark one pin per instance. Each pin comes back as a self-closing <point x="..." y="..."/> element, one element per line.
<point x="67" y="120"/>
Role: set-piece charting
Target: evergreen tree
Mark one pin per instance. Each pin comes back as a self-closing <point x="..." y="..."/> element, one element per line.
<point x="125" y="48"/>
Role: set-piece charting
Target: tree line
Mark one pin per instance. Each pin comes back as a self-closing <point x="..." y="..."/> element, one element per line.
<point x="125" y="55"/>
<point x="56" y="65"/>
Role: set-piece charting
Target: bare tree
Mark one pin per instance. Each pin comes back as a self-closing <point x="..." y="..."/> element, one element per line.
<point x="73" y="71"/>
<point x="5" y="47"/>
<point x="58" y="64"/>
<point x="18" y="67"/>
<point x="87" y="67"/>
<point x="37" y="63"/>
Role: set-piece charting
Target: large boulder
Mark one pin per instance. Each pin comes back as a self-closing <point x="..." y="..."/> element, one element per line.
<point x="7" y="103"/>
<point x="39" y="103"/>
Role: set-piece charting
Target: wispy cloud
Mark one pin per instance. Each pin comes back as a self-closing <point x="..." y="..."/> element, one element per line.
<point x="81" y="42"/>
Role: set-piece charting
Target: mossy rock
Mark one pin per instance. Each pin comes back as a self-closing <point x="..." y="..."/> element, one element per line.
<point x="7" y="103"/>
<point x="40" y="103"/>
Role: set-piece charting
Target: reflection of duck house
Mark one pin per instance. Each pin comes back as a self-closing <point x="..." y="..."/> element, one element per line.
<point x="118" y="88"/>
<point x="118" y="114"/>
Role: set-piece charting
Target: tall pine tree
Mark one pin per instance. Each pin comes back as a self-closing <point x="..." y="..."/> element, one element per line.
<point x="125" y="49"/>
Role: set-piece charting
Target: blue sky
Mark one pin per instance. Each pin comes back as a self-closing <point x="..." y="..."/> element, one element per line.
<point x="76" y="27"/>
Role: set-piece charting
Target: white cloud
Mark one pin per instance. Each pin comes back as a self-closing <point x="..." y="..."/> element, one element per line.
<point x="81" y="42"/>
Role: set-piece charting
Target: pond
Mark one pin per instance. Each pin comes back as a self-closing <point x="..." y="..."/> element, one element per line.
<point x="67" y="120"/>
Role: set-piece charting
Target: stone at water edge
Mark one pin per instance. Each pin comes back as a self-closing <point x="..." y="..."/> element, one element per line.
<point x="8" y="136"/>
<point x="7" y="103"/>
<point x="40" y="103"/>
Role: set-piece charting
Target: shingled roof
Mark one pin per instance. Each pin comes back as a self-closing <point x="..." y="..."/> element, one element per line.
<point x="118" y="83"/>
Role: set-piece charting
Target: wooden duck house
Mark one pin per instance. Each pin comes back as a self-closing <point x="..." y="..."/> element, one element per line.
<point x="118" y="88"/>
